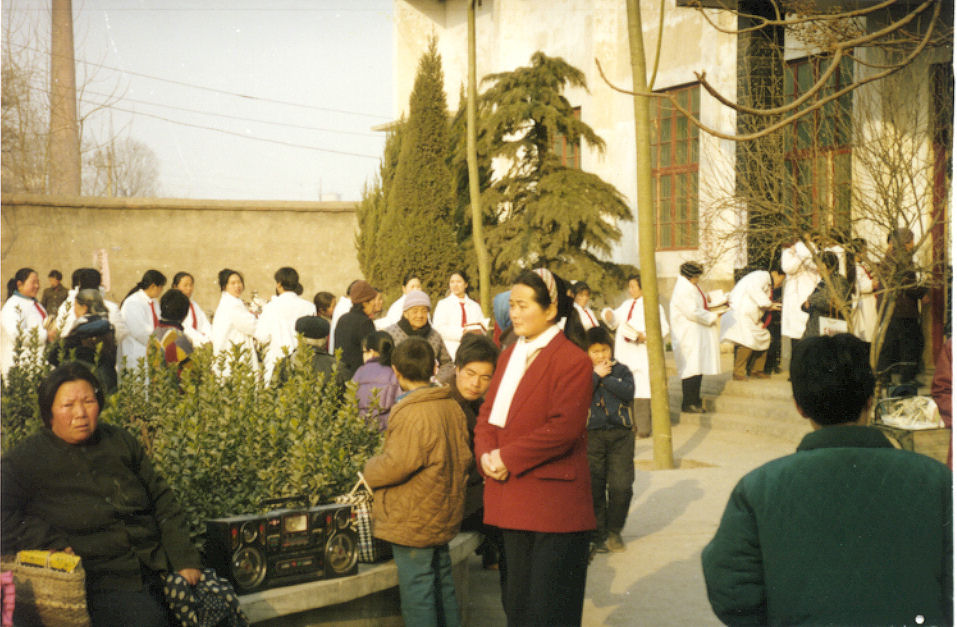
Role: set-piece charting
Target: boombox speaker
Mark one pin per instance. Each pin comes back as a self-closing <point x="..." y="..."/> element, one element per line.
<point x="282" y="547"/>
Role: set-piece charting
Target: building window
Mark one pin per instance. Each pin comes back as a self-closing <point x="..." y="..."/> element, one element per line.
<point x="674" y="169"/>
<point x="817" y="147"/>
<point x="569" y="153"/>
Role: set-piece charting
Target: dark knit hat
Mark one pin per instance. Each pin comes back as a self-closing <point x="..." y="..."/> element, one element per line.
<point x="313" y="327"/>
<point x="362" y="292"/>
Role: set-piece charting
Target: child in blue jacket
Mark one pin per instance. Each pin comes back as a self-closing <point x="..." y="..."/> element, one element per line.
<point x="611" y="441"/>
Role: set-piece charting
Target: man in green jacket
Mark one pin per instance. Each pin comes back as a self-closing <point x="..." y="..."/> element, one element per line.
<point x="847" y="530"/>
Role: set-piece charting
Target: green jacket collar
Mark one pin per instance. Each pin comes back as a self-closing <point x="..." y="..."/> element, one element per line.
<point x="844" y="436"/>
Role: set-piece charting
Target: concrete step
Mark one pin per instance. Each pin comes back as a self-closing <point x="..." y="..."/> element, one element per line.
<point x="756" y="406"/>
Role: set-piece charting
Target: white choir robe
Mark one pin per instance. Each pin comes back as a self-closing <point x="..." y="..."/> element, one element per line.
<point x="139" y="313"/>
<point x="196" y="325"/>
<point x="635" y="354"/>
<point x="233" y="325"/>
<point x="694" y="332"/>
<point x="19" y="316"/>
<point x="447" y="320"/>
<point x="864" y="315"/>
<point x="277" y="327"/>
<point x="744" y="323"/>
<point x="392" y="316"/>
<point x="587" y="316"/>
<point x="801" y="277"/>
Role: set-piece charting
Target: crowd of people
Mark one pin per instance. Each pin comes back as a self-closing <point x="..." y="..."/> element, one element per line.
<point x="529" y="437"/>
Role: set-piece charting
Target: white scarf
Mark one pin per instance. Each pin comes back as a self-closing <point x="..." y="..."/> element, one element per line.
<point x="514" y="372"/>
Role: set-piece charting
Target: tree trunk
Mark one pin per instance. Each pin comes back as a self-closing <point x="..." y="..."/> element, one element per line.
<point x="64" y="151"/>
<point x="478" y="236"/>
<point x="660" y="413"/>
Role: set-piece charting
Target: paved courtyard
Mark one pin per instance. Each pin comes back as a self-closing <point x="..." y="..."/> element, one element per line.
<point x="658" y="580"/>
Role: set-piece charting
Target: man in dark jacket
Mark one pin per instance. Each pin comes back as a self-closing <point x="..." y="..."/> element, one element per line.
<point x="846" y="531"/>
<point x="904" y="340"/>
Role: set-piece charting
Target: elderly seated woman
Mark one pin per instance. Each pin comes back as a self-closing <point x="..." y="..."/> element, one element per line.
<point x="415" y="323"/>
<point x="88" y="488"/>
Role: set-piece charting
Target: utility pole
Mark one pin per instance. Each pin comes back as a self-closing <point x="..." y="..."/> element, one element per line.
<point x="660" y="413"/>
<point x="478" y="235"/>
<point x="63" y="155"/>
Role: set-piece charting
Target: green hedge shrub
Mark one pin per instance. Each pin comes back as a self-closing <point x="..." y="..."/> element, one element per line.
<point x="224" y="443"/>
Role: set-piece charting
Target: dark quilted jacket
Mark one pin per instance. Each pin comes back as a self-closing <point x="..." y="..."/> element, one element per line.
<point x="419" y="478"/>
<point x="846" y="531"/>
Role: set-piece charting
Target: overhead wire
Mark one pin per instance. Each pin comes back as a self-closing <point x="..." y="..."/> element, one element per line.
<point x="220" y="91"/>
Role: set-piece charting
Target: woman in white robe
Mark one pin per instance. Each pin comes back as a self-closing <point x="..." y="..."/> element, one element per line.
<point x="801" y="277"/>
<point x="21" y="314"/>
<point x="140" y="314"/>
<point x="582" y="295"/>
<point x="694" y="335"/>
<point x="233" y="324"/>
<point x="277" y="322"/>
<point x="196" y="326"/>
<point x="457" y="314"/>
<point x="631" y="348"/>
<point x="744" y="323"/>
<point x="864" y="316"/>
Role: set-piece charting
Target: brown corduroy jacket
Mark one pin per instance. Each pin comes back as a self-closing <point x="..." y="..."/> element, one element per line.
<point x="419" y="478"/>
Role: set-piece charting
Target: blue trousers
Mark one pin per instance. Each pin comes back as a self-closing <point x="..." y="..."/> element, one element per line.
<point x="426" y="587"/>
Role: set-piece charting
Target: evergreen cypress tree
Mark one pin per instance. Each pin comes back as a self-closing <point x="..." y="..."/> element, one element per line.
<point x="419" y="234"/>
<point x="373" y="210"/>
<point x="548" y="214"/>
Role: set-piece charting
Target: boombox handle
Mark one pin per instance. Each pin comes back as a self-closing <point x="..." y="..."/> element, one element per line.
<point x="282" y="500"/>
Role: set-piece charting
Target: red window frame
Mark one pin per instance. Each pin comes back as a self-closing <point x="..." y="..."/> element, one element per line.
<point x="568" y="153"/>
<point x="674" y="169"/>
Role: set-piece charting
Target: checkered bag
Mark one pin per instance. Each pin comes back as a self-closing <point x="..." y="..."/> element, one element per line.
<point x="371" y="549"/>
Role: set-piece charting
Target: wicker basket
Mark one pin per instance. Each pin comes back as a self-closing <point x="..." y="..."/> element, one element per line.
<point x="47" y="597"/>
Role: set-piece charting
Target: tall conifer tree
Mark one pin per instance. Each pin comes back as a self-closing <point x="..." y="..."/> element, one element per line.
<point x="419" y="234"/>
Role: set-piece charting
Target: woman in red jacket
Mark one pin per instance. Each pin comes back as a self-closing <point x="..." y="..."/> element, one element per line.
<point x="530" y="445"/>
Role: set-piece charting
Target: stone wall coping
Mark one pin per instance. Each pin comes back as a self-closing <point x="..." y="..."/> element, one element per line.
<point x="176" y="204"/>
<point x="372" y="578"/>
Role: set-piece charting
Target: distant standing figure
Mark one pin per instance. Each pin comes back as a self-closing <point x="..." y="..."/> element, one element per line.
<point x="904" y="341"/>
<point x="141" y="313"/>
<point x="825" y="301"/>
<point x="631" y="349"/>
<point x="611" y="442"/>
<point x="169" y="338"/>
<point x="801" y="275"/>
<point x="415" y="323"/>
<point x="694" y="333"/>
<point x="233" y="323"/>
<point x="91" y="339"/>
<point x="377" y="384"/>
<point x="277" y="322"/>
<point x="341" y="308"/>
<point x="744" y="324"/>
<point x="356" y="325"/>
<point x="196" y="325"/>
<point x="846" y="531"/>
<point x="325" y="303"/>
<point x="20" y="315"/>
<point x="582" y="295"/>
<point x="865" y="302"/>
<point x="457" y="314"/>
<point x="54" y="295"/>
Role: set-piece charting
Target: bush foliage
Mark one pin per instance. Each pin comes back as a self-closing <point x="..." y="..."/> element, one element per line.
<point x="224" y="442"/>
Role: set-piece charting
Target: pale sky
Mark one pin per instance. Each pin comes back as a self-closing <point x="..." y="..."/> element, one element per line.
<point x="317" y="73"/>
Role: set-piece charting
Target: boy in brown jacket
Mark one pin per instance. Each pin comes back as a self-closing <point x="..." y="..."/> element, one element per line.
<point x="419" y="481"/>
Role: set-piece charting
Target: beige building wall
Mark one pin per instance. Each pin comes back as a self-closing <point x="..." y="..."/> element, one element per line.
<point x="580" y="31"/>
<point x="199" y="236"/>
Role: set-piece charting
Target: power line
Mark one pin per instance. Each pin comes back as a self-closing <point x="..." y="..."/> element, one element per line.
<point x="226" y="115"/>
<point x="235" y="134"/>
<point x="221" y="91"/>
